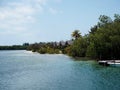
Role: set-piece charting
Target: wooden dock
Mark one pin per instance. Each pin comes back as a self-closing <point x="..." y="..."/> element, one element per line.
<point x="109" y="62"/>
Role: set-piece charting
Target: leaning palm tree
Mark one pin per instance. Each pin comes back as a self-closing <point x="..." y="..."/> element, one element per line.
<point x="76" y="34"/>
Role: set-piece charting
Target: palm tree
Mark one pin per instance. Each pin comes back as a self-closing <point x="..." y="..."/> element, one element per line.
<point x="76" y="34"/>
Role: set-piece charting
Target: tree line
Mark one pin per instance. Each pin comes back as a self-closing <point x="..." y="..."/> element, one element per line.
<point x="15" y="47"/>
<point x="50" y="47"/>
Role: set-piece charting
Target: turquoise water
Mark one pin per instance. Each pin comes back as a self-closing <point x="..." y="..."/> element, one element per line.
<point x="23" y="70"/>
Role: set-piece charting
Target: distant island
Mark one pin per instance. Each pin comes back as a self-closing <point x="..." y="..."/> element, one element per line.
<point x="102" y="42"/>
<point x="15" y="47"/>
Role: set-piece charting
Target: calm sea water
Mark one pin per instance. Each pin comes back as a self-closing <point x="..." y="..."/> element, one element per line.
<point x="23" y="70"/>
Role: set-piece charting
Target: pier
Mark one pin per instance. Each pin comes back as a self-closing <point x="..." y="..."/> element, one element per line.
<point x="109" y="62"/>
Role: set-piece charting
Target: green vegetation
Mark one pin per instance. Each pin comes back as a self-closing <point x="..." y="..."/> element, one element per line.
<point x="15" y="47"/>
<point x="78" y="48"/>
<point x="102" y="42"/>
<point x="76" y="34"/>
<point x="50" y="47"/>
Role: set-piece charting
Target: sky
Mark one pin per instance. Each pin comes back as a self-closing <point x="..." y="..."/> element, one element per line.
<point x="50" y="20"/>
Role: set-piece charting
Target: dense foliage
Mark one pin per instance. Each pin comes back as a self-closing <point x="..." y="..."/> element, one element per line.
<point x="102" y="42"/>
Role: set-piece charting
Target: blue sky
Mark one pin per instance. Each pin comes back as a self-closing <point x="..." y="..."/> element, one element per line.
<point x="50" y="20"/>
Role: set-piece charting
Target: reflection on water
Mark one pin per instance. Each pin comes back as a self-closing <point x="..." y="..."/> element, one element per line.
<point x="23" y="70"/>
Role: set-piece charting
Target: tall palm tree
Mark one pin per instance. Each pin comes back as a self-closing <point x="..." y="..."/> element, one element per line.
<point x="76" y="34"/>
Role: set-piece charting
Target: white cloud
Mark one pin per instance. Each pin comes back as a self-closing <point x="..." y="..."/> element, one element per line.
<point x="18" y="12"/>
<point x="15" y="16"/>
<point x="54" y="11"/>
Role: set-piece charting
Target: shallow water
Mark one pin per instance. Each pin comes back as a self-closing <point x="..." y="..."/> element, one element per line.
<point x="24" y="70"/>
